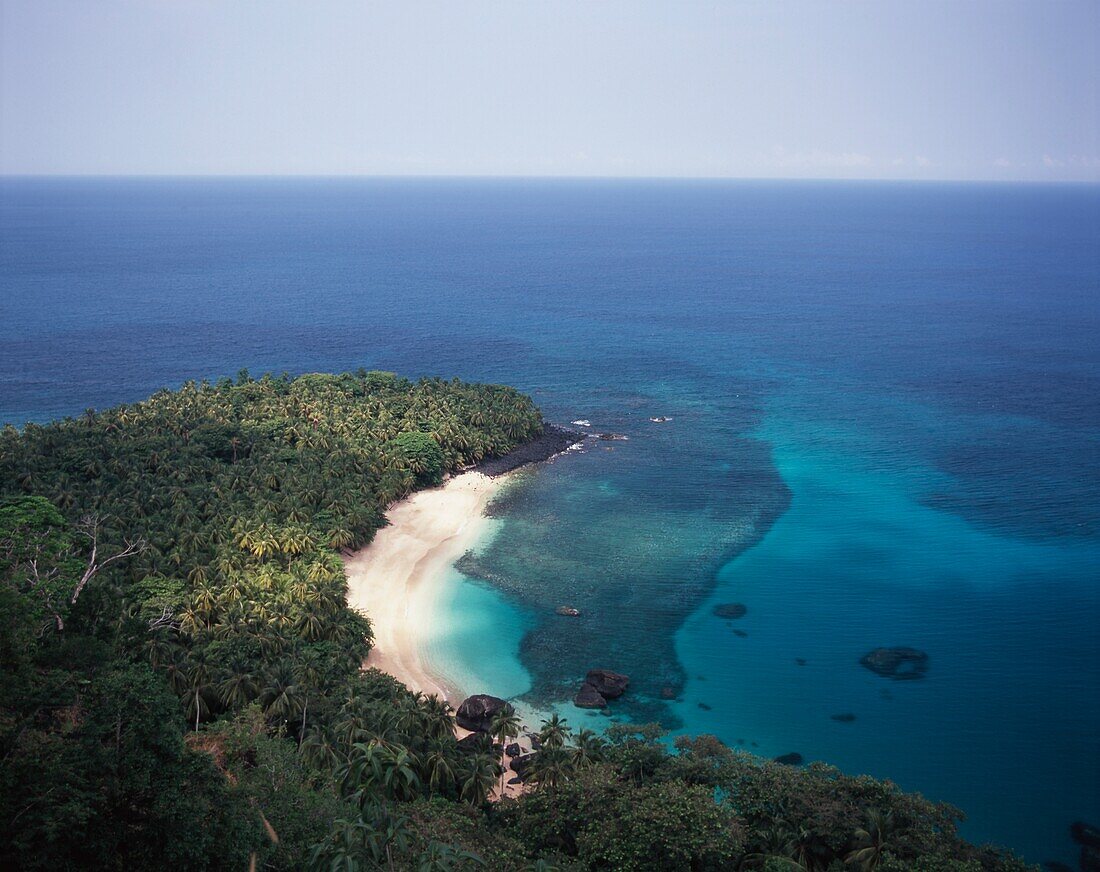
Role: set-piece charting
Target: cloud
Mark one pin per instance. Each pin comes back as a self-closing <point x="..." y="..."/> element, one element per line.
<point x="816" y="159"/>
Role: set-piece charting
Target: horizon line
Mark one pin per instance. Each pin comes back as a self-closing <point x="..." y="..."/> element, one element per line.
<point x="549" y="177"/>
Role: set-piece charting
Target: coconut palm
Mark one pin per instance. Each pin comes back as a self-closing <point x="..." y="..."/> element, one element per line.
<point x="872" y="840"/>
<point x="504" y="725"/>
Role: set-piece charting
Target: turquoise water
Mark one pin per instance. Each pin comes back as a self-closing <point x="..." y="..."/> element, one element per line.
<point x="886" y="431"/>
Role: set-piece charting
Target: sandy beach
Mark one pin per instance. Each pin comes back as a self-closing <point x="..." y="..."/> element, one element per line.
<point x="396" y="579"/>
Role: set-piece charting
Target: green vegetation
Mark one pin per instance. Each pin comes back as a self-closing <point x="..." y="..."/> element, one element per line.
<point x="181" y="682"/>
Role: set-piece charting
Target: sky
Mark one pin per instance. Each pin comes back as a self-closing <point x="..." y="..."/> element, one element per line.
<point x="921" y="89"/>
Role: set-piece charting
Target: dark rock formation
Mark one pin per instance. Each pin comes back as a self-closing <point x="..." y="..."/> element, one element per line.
<point x="668" y="692"/>
<point x="513" y="750"/>
<point x="845" y="718"/>
<point x="741" y="634"/>
<point x="521" y="765"/>
<point x="475" y="743"/>
<point x="515" y="780"/>
<point x="1085" y="834"/>
<point x="900" y="664"/>
<point x="801" y="661"/>
<point x="730" y="610"/>
<point x="706" y="708"/>
<point x="568" y="612"/>
<point x="476" y="712"/>
<point x="792" y="759"/>
<point x="589" y="697"/>
<point x="612" y="437"/>
<point x="553" y="441"/>
<point x="1090" y="859"/>
<point x="610" y="685"/>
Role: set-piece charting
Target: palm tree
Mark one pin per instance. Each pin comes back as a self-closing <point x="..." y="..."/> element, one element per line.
<point x="438" y="722"/>
<point x="872" y="840"/>
<point x="438" y="764"/>
<point x="504" y="726"/>
<point x="551" y="766"/>
<point x="555" y="730"/>
<point x="589" y="749"/>
<point x="477" y="774"/>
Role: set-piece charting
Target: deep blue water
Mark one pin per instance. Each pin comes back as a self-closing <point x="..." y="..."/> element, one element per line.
<point x="886" y="430"/>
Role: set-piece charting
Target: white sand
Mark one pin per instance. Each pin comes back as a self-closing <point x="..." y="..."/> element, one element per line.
<point x="396" y="579"/>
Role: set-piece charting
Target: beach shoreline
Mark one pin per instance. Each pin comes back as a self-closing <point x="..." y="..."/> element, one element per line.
<point x="397" y="579"/>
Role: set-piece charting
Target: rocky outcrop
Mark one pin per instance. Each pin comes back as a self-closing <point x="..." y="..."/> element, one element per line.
<point x="513" y="750"/>
<point x="609" y="685"/>
<point x="477" y="712"/>
<point x="589" y="697"/>
<point x="522" y="765"/>
<point x="568" y="612"/>
<point x="899" y="664"/>
<point x="475" y="743"/>
<point x="792" y="759"/>
<point x="730" y="611"/>
<point x="552" y="441"/>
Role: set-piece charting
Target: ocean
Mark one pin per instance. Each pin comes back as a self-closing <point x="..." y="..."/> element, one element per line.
<point x="885" y="431"/>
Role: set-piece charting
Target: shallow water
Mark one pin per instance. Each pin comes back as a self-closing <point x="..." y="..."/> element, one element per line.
<point x="886" y="431"/>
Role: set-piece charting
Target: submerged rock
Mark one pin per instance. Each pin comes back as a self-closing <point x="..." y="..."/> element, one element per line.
<point x="801" y="661"/>
<point x="610" y="685"/>
<point x="845" y="718"/>
<point x="706" y="708"/>
<point x="477" y="712"/>
<point x="730" y="610"/>
<point x="668" y="692"/>
<point x="589" y="697"/>
<point x="900" y="664"/>
<point x="740" y="634"/>
<point x="792" y="759"/>
<point x="1085" y="834"/>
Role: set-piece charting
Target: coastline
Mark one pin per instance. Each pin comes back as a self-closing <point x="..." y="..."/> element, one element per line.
<point x="396" y="580"/>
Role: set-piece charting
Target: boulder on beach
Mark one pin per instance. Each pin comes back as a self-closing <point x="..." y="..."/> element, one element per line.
<point x="477" y="712"/>
<point x="568" y="611"/>
<point x="730" y="610"/>
<point x="900" y="664"/>
<point x="610" y="685"/>
<point x="513" y="750"/>
<point x="792" y="759"/>
<point x="475" y="743"/>
<point x="589" y="697"/>
<point x="522" y="764"/>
